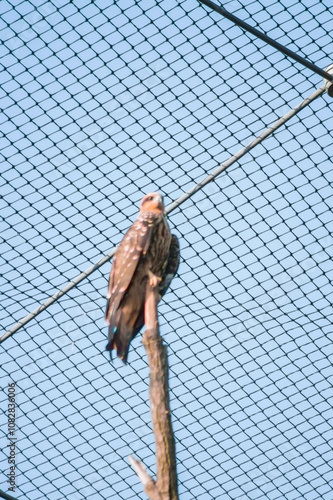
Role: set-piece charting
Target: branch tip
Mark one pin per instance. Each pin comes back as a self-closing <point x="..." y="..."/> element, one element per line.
<point x="141" y="471"/>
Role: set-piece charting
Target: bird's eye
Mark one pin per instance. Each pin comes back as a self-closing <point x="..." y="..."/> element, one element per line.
<point x="149" y="198"/>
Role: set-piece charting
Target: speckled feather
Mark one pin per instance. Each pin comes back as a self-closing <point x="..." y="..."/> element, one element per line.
<point x="147" y="247"/>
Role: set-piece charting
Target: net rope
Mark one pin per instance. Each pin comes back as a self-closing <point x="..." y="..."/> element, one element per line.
<point x="101" y="104"/>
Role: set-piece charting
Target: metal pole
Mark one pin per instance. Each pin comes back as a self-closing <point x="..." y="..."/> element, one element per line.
<point x="6" y="496"/>
<point x="268" y="40"/>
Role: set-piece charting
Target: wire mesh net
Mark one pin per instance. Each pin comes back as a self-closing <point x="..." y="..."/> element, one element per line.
<point x="101" y="104"/>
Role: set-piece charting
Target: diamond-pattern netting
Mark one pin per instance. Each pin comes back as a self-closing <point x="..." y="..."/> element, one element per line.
<point x="101" y="104"/>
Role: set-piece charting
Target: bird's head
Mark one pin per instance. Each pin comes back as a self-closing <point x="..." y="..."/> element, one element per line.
<point x="152" y="202"/>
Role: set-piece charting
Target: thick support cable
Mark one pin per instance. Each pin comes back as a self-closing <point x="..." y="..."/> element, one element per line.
<point x="6" y="496"/>
<point x="246" y="149"/>
<point x="268" y="40"/>
<point x="209" y="178"/>
<point x="57" y="295"/>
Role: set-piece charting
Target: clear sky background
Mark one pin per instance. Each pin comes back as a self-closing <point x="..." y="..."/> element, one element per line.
<point x="102" y="102"/>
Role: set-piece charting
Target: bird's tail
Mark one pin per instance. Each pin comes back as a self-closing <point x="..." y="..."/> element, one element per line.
<point x="119" y="340"/>
<point x="124" y="324"/>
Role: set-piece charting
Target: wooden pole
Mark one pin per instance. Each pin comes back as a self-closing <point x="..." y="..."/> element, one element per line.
<point x="165" y="486"/>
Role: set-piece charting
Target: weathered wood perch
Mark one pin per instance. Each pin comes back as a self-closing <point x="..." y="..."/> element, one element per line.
<point x="165" y="486"/>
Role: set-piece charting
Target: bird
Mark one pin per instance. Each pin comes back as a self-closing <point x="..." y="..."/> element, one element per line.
<point x="148" y="251"/>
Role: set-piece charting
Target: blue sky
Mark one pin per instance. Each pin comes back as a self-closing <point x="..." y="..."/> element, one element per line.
<point x="101" y="105"/>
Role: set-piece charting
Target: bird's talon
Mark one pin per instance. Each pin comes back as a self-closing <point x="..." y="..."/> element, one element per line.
<point x="154" y="280"/>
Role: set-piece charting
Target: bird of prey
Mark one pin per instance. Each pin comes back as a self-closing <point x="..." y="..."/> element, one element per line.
<point x="148" y="251"/>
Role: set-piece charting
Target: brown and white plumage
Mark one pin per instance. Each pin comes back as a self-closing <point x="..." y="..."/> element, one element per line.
<point x="147" y="251"/>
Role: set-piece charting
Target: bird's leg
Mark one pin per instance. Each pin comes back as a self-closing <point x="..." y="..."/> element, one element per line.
<point x="153" y="279"/>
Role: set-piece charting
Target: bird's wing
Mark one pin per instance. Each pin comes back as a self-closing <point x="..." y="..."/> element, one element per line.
<point x="172" y="265"/>
<point x="134" y="244"/>
<point x="170" y="271"/>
